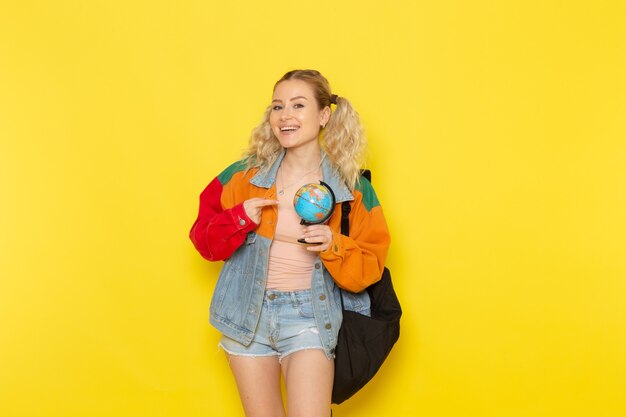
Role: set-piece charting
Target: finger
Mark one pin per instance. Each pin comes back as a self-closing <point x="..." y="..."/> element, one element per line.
<point x="265" y="202"/>
<point x="261" y="202"/>
<point x="317" y="239"/>
<point x="318" y="248"/>
<point x="314" y="239"/>
<point x="317" y="231"/>
<point x="316" y="227"/>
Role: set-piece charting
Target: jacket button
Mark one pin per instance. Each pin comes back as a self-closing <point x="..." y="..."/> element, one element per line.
<point x="327" y="326"/>
<point x="242" y="222"/>
<point x="317" y="266"/>
<point x="322" y="297"/>
<point x="272" y="296"/>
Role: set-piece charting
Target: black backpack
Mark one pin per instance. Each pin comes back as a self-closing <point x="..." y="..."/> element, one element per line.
<point x="364" y="342"/>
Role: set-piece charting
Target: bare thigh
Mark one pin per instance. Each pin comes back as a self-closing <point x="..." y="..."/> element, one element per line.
<point x="258" y="382"/>
<point x="309" y="381"/>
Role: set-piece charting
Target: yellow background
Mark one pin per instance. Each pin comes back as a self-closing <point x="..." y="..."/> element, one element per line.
<point x="498" y="147"/>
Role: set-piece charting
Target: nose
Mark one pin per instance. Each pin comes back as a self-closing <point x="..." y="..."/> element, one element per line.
<point x="285" y="113"/>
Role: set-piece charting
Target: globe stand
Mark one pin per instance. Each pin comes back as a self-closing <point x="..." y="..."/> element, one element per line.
<point x="304" y="242"/>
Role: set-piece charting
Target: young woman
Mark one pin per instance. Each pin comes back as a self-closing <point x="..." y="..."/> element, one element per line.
<point x="276" y="301"/>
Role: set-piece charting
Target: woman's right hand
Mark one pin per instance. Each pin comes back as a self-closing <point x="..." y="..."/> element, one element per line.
<point x="254" y="206"/>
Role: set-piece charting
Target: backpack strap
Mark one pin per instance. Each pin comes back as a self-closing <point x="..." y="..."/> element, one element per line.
<point x="345" y="218"/>
<point x="345" y="207"/>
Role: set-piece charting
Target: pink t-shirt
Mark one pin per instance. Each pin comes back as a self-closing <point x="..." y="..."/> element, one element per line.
<point x="290" y="264"/>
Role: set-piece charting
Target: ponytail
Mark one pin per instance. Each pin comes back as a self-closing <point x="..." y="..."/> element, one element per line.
<point x="344" y="141"/>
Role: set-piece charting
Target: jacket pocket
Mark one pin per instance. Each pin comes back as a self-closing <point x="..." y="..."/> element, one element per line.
<point x="243" y="259"/>
<point x="305" y="309"/>
<point x="235" y="285"/>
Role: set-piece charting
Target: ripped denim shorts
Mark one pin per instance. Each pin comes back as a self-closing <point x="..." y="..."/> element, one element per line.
<point x="286" y="326"/>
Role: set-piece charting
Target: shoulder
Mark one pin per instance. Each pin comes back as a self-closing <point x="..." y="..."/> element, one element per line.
<point x="365" y="191"/>
<point x="236" y="170"/>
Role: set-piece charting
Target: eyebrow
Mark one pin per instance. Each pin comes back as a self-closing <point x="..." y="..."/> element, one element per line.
<point x="293" y="98"/>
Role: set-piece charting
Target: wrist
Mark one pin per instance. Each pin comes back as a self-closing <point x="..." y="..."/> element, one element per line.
<point x="241" y="218"/>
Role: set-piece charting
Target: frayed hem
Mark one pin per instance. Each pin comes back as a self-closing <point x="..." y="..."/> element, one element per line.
<point x="284" y="355"/>
<point x="220" y="346"/>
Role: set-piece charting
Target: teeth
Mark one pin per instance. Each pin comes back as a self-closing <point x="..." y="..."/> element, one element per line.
<point x="284" y="129"/>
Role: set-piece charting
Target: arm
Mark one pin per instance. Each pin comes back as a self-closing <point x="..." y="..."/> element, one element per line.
<point x="219" y="231"/>
<point x="358" y="260"/>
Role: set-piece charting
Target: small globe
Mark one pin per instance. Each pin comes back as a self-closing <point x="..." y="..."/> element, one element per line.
<point x="314" y="203"/>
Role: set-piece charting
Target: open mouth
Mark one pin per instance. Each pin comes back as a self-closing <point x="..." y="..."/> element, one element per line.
<point x="289" y="128"/>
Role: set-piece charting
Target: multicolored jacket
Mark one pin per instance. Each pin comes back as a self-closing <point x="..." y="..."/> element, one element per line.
<point x="223" y="231"/>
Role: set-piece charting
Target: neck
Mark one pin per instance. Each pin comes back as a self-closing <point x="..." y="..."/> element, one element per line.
<point x="297" y="161"/>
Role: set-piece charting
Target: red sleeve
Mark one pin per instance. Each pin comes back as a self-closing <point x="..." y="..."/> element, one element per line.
<point x="218" y="232"/>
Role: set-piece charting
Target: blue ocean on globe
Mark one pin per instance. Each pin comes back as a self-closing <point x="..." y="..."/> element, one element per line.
<point x="314" y="203"/>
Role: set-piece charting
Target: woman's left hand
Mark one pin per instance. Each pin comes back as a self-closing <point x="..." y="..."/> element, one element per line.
<point x="318" y="233"/>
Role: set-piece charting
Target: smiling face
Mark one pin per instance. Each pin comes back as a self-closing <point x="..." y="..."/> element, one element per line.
<point x="296" y="117"/>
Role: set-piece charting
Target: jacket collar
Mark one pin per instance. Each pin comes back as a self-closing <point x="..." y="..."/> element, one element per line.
<point x="266" y="178"/>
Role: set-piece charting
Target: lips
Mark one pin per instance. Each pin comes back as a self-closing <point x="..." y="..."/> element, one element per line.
<point x="288" y="130"/>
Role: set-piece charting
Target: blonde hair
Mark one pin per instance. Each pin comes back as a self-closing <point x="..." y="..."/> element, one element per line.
<point x="343" y="139"/>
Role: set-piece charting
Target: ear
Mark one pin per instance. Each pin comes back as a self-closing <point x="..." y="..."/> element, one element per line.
<point x="324" y="115"/>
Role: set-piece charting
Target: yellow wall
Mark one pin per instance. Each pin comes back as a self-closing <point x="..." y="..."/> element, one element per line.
<point x="498" y="147"/>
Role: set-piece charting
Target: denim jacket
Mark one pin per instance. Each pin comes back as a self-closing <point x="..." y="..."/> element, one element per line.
<point x="236" y="304"/>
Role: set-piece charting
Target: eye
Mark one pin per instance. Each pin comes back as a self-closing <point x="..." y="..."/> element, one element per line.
<point x="298" y="105"/>
<point x="277" y="107"/>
